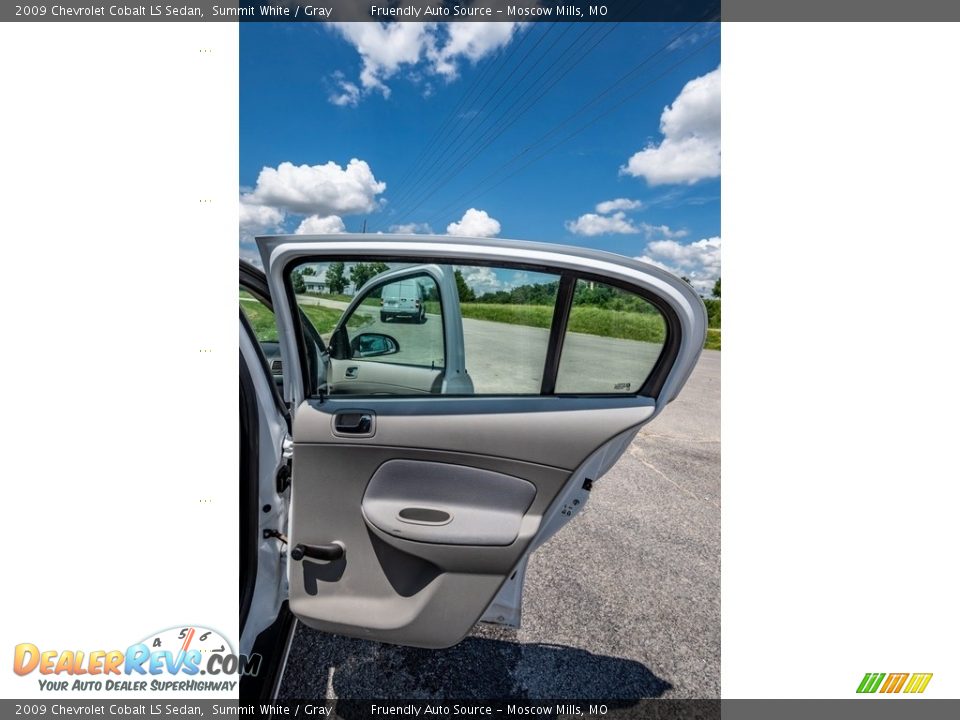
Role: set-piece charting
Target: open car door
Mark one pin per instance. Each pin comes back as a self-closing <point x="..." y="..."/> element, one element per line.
<point x="440" y="439"/>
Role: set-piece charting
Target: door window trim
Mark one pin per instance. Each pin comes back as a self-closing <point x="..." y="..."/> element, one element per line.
<point x="651" y="387"/>
<point x="562" y="307"/>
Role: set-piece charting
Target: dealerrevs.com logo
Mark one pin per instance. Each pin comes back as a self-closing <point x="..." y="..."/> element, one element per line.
<point x="910" y="683"/>
<point x="181" y="659"/>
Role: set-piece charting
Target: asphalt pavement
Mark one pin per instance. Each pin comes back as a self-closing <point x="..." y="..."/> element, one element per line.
<point x="624" y="602"/>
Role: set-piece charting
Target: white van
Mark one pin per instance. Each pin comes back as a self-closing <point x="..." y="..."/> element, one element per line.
<point x="402" y="299"/>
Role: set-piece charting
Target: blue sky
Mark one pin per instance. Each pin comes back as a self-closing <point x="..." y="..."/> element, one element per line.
<point x="333" y="119"/>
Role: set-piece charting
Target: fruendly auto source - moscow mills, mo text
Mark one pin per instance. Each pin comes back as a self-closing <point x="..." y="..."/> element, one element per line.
<point x="463" y="11"/>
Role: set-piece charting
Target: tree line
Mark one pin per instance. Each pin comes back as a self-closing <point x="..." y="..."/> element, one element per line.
<point x="336" y="276"/>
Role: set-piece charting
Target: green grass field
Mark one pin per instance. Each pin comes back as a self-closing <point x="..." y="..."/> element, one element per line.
<point x="324" y="319"/>
<point x="713" y="339"/>
<point x="583" y="319"/>
<point x="265" y="328"/>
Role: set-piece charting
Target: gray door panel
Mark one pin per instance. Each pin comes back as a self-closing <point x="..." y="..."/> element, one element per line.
<point x="414" y="588"/>
<point x="446" y="504"/>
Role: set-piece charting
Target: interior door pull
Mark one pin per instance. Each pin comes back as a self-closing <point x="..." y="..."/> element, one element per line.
<point x="331" y="552"/>
<point x="354" y="423"/>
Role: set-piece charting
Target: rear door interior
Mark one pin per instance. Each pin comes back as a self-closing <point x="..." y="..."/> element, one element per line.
<point x="414" y="509"/>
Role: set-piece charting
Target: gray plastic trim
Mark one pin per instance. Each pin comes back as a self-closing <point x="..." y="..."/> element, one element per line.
<point x="558" y="432"/>
<point x="482" y="507"/>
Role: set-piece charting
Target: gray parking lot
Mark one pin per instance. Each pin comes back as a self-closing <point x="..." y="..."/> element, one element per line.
<point x="623" y="603"/>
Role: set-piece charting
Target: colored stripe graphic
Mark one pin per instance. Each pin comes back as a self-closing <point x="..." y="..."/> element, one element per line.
<point x="918" y="682"/>
<point x="870" y="682"/>
<point x="894" y="682"/>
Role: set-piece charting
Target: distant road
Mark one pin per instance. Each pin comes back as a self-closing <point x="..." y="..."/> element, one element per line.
<point x="312" y="300"/>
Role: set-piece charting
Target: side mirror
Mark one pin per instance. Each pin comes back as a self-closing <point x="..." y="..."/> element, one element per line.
<point x="367" y="345"/>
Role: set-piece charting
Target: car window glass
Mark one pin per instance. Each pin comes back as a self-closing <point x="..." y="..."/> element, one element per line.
<point x="259" y="316"/>
<point x="432" y="329"/>
<point x="399" y="323"/>
<point x="507" y="316"/>
<point x="612" y="343"/>
<point x="263" y="323"/>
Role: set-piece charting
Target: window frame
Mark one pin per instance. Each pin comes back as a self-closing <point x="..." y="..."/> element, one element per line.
<point x="650" y="388"/>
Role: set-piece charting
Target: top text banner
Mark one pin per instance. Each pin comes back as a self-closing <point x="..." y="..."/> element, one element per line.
<point x="482" y="11"/>
<point x="367" y="11"/>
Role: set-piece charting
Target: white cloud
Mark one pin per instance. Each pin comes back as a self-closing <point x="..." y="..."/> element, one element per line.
<point x="704" y="252"/>
<point x="699" y="261"/>
<point x="592" y="224"/>
<point x="385" y="47"/>
<point x="250" y="253"/>
<point x="470" y="40"/>
<point x="664" y="231"/>
<point x="348" y="95"/>
<point x="437" y="48"/>
<point x="318" y="189"/>
<point x="481" y="279"/>
<point x="611" y="219"/>
<point x="485" y="280"/>
<point x="257" y="220"/>
<point x="474" y="223"/>
<point x="690" y="149"/>
<point x="317" y="225"/>
<point x="520" y="277"/>
<point x="688" y="37"/>
<point x="609" y="206"/>
<point x="412" y="229"/>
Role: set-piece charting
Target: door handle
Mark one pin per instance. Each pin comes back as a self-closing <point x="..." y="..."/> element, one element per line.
<point x="351" y="372"/>
<point x="331" y="552"/>
<point x="354" y="423"/>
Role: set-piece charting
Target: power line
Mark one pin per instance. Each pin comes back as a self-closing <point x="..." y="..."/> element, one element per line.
<point x="465" y="157"/>
<point x="427" y="150"/>
<point x="438" y="156"/>
<point x="478" y="190"/>
<point x="643" y="63"/>
<point x="500" y="124"/>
